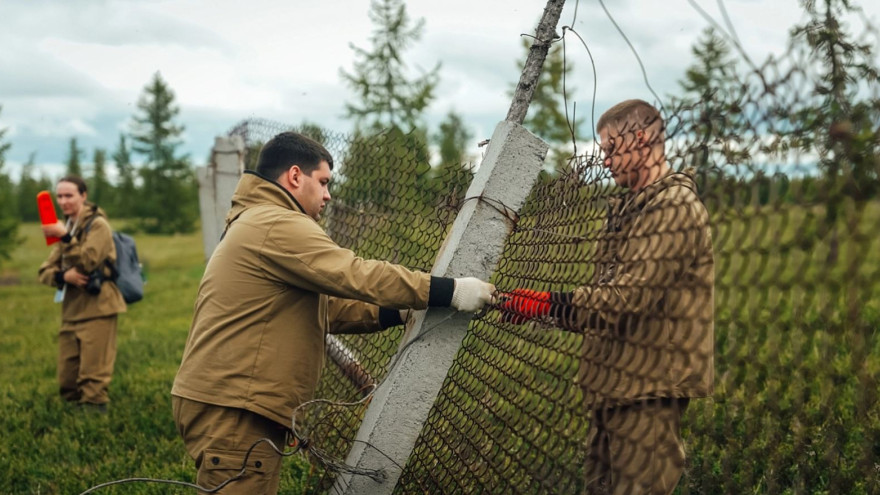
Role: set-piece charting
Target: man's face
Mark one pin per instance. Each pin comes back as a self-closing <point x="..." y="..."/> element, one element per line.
<point x="312" y="191"/>
<point x="69" y="198"/>
<point x="623" y="151"/>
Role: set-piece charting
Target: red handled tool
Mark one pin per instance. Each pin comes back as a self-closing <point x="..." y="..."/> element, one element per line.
<point x="47" y="213"/>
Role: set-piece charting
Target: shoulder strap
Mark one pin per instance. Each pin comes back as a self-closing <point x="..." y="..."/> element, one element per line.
<point x="114" y="273"/>
<point x="88" y="224"/>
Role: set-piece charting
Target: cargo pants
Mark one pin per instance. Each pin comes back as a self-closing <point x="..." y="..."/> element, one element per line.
<point x="218" y="439"/>
<point x="86" y="355"/>
<point x="635" y="449"/>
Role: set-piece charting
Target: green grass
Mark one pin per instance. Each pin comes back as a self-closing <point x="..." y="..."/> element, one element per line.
<point x="49" y="447"/>
<point x="795" y="410"/>
<point x="797" y="363"/>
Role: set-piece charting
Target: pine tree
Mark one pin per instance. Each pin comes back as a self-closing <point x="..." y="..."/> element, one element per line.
<point x="388" y="158"/>
<point x="169" y="199"/>
<point x="453" y="172"/>
<point x="845" y="116"/>
<point x="27" y="190"/>
<point x="100" y="191"/>
<point x="842" y="126"/>
<point x="711" y="99"/>
<point x="387" y="98"/>
<point x="126" y="192"/>
<point x="452" y="139"/>
<point x="713" y="70"/>
<point x="74" y="155"/>
<point x="313" y="131"/>
<point x="8" y="220"/>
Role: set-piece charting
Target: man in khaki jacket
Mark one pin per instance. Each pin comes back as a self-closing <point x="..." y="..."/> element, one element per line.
<point x="646" y="315"/>
<point x="274" y="287"/>
<point x="87" y="339"/>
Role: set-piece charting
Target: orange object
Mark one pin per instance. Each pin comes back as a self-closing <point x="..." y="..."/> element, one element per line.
<point x="47" y="213"/>
<point x="525" y="304"/>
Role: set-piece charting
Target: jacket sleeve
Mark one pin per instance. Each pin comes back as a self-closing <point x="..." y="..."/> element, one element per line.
<point x="89" y="251"/>
<point x="661" y="244"/>
<point x="351" y="316"/>
<point x="298" y="252"/>
<point x="51" y="267"/>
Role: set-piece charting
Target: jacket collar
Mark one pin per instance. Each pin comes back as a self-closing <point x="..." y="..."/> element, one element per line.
<point x="254" y="189"/>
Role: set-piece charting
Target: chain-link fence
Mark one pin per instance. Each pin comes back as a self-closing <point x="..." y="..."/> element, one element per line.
<point x="539" y="391"/>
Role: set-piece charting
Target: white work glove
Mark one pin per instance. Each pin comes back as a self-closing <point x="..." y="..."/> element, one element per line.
<point x="471" y="294"/>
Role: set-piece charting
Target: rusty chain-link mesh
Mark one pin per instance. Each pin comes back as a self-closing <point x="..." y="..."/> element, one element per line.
<point x="550" y="381"/>
<point x="791" y="198"/>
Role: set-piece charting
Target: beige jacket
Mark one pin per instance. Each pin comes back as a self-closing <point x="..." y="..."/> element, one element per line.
<point x="648" y="313"/>
<point x="89" y="248"/>
<point x="274" y="286"/>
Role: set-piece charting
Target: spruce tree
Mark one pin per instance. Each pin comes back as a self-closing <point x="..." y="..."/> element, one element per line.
<point x="386" y="96"/>
<point x="169" y="197"/>
<point x="100" y="190"/>
<point x="451" y="140"/>
<point x="711" y="101"/>
<point x="126" y="193"/>
<point x="389" y="154"/>
<point x="74" y="155"/>
<point x="8" y="219"/>
<point x="844" y="118"/>
<point x="841" y="125"/>
<point x="26" y="191"/>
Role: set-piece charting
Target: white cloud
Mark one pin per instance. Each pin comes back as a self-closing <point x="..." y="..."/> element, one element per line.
<point x="77" y="68"/>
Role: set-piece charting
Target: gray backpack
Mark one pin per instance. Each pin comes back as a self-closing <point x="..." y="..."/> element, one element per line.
<point x="127" y="273"/>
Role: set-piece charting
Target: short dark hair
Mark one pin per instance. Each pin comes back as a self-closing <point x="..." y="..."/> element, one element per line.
<point x="288" y="149"/>
<point x="639" y="112"/>
<point x="75" y="180"/>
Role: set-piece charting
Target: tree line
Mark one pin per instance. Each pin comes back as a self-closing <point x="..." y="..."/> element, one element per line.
<point x="160" y="195"/>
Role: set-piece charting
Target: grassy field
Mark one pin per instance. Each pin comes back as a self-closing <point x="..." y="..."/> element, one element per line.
<point x="795" y="410"/>
<point x="49" y="447"/>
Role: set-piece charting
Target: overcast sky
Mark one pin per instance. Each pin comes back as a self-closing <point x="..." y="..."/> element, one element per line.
<point x="77" y="68"/>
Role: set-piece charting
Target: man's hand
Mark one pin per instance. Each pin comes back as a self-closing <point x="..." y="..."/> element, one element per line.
<point x="471" y="294"/>
<point x="73" y="277"/>
<point x="521" y="305"/>
<point x="56" y="229"/>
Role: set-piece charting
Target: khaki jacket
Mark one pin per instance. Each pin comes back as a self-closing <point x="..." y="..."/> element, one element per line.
<point x="274" y="287"/>
<point x="649" y="310"/>
<point x="87" y="250"/>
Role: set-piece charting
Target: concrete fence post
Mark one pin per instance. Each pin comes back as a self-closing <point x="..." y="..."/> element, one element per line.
<point x="217" y="182"/>
<point x="473" y="247"/>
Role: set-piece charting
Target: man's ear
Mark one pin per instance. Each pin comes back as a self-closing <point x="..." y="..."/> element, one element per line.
<point x="294" y="175"/>
<point x="640" y="135"/>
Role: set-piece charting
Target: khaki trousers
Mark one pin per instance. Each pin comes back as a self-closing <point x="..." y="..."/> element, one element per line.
<point x="86" y="354"/>
<point x="635" y="449"/>
<point x="218" y="439"/>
